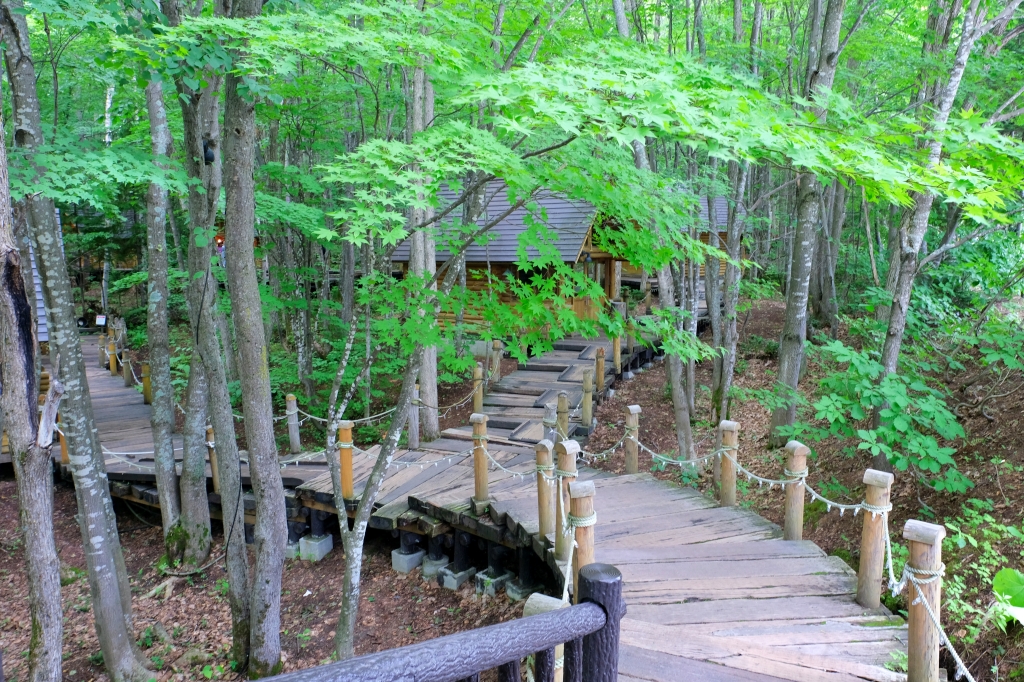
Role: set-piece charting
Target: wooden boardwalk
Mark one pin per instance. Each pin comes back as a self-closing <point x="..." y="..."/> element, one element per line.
<point x="713" y="593"/>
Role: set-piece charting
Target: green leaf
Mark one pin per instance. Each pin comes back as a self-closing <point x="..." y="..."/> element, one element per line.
<point x="1009" y="583"/>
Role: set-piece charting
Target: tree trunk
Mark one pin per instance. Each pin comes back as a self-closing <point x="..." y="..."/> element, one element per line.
<point x="200" y="111"/>
<point x="731" y="288"/>
<point x="162" y="414"/>
<point x="105" y="563"/>
<point x="794" y="329"/>
<point x="822" y="63"/>
<point x="270" y="529"/>
<point x="352" y="540"/>
<point x="227" y="342"/>
<point x="29" y="443"/>
<point x="912" y="233"/>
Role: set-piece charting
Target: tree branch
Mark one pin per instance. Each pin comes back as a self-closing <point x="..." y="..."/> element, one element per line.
<point x="949" y="247"/>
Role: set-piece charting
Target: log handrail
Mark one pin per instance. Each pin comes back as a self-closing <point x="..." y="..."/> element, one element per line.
<point x="590" y="628"/>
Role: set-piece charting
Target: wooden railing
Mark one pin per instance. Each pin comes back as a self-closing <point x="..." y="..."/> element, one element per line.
<point x="922" y="576"/>
<point x="588" y="630"/>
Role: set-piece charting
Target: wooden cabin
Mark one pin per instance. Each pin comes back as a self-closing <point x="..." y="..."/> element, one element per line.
<point x="571" y="222"/>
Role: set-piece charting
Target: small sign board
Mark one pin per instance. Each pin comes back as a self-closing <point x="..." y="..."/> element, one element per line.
<point x="101" y="320"/>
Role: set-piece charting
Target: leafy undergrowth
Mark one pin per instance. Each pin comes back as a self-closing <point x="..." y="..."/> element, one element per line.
<point x="983" y="522"/>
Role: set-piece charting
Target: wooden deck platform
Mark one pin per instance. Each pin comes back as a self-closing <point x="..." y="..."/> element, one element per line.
<point x="712" y="592"/>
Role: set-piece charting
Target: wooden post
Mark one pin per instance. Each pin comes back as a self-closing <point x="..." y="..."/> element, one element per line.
<point x="112" y="357"/>
<point x="925" y="541"/>
<point x="147" y="386"/>
<point x="796" y="463"/>
<point x="563" y="415"/>
<point x="126" y="370"/>
<point x="291" y="413"/>
<point x="599" y="374"/>
<point x="566" y="452"/>
<point x="617" y="354"/>
<point x="730" y="438"/>
<point x="602" y="584"/>
<point x="496" y="352"/>
<point x="872" y="540"/>
<point x="478" y="388"/>
<point x="63" y="445"/>
<point x="550" y="422"/>
<point x="103" y="350"/>
<point x="545" y="662"/>
<point x="413" y="423"/>
<point x="587" y="408"/>
<point x="545" y="487"/>
<point x="630" y="446"/>
<point x="481" y="498"/>
<point x="348" y="489"/>
<point x="581" y="495"/>
<point x="211" y="451"/>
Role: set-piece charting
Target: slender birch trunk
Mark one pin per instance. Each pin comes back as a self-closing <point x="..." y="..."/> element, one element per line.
<point x="162" y="414"/>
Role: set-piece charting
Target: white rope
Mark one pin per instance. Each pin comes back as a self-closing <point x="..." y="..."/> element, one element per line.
<point x="517" y="474"/>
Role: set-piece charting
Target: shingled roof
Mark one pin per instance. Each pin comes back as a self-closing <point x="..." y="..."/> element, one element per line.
<point x="570" y="219"/>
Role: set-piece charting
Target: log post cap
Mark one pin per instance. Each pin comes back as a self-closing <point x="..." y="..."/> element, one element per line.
<point x="568" y="447"/>
<point x="600" y="352"/>
<point x="727" y="425"/>
<point x="541" y="603"/>
<point x="544" y="445"/>
<point x="209" y="434"/>
<point x="879" y="479"/>
<point x="346" y="424"/>
<point x="578" y="489"/>
<point x="290" y="397"/>
<point x="588" y="370"/>
<point x="795" y="447"/>
<point x="550" y="410"/>
<point x="477" y="418"/>
<point x="563" y="394"/>
<point x="920" y="531"/>
<point x="633" y="409"/>
<point x="496" y="344"/>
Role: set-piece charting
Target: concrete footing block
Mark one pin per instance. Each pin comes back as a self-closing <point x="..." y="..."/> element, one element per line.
<point x="447" y="577"/>
<point x="648" y="365"/>
<point x="627" y="375"/>
<point x="315" y="547"/>
<point x="491" y="582"/>
<point x="404" y="563"/>
<point x="292" y="550"/>
<point x="432" y="567"/>
<point x="518" y="592"/>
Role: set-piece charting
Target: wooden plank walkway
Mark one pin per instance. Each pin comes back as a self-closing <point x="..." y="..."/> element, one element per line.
<point x="712" y="592"/>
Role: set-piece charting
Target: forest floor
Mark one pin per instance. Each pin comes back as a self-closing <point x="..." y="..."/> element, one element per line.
<point x="186" y="635"/>
<point x="992" y="456"/>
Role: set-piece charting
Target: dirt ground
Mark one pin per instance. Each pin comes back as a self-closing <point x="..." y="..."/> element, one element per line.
<point x="992" y="456"/>
<point x="190" y="631"/>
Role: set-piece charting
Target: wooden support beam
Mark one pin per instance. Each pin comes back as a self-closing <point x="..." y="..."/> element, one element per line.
<point x="545" y="669"/>
<point x="730" y="439"/>
<point x="872" y="538"/>
<point x="481" y="499"/>
<point x="147" y="386"/>
<point x="587" y="407"/>
<point x="566" y="452"/>
<point x="112" y="357"/>
<point x="550" y="422"/>
<point x="796" y="466"/>
<point x="617" y="354"/>
<point x="102" y="345"/>
<point x="923" y="639"/>
<point x="496" y="353"/>
<point x="291" y="411"/>
<point x="211" y="451"/>
<point x="478" y="388"/>
<point x="563" y="415"/>
<point x="599" y="373"/>
<point x="413" y="420"/>
<point x="546" y="485"/>
<point x="581" y="495"/>
<point x="630" y="446"/>
<point x="126" y="370"/>
<point x="348" y="489"/>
